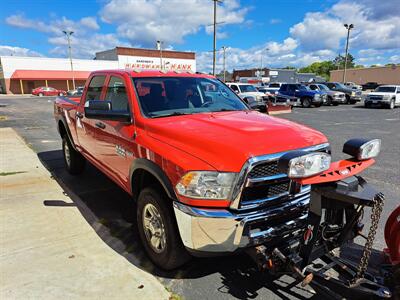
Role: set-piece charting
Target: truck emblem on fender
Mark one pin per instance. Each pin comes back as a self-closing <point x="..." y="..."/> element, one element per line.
<point x="120" y="151"/>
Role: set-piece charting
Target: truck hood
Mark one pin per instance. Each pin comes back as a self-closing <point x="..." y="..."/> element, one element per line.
<point x="225" y="140"/>
<point x="254" y="94"/>
<point x="381" y="94"/>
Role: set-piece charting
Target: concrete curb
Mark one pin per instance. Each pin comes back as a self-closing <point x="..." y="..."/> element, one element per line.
<point x="47" y="249"/>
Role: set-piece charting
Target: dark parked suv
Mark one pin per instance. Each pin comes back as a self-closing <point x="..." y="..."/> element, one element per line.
<point x="307" y="96"/>
<point x="352" y="96"/>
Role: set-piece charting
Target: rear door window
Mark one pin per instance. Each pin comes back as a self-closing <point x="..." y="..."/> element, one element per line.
<point x="95" y="87"/>
<point x="235" y="88"/>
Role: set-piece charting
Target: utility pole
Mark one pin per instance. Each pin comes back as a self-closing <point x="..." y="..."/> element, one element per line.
<point x="224" y="49"/>
<point x="159" y="46"/>
<point x="68" y="34"/>
<point x="215" y="33"/>
<point x="348" y="27"/>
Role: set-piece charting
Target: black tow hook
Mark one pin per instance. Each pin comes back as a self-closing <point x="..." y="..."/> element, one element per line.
<point x="276" y="262"/>
<point x="305" y="279"/>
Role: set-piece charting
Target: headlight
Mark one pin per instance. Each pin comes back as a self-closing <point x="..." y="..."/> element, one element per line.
<point x="316" y="96"/>
<point x="259" y="98"/>
<point x="206" y="185"/>
<point x="299" y="164"/>
<point x="386" y="97"/>
<point x="353" y="93"/>
<point x="362" y="148"/>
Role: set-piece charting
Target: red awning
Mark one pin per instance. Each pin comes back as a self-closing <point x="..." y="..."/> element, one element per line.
<point x="49" y="75"/>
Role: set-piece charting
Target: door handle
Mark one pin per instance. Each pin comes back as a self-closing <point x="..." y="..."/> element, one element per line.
<point x="79" y="115"/>
<point x="100" y="125"/>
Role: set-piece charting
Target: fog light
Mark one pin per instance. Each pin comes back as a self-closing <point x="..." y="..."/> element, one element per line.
<point x="362" y="148"/>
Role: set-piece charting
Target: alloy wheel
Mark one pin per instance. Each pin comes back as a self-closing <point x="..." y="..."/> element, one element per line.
<point x="154" y="228"/>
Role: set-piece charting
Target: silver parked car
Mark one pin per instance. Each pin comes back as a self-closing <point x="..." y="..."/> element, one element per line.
<point x="334" y="97"/>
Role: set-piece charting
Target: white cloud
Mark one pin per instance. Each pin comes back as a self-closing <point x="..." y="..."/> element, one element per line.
<point x="17" y="51"/>
<point x="375" y="28"/>
<point x="85" y="40"/>
<point x="144" y="22"/>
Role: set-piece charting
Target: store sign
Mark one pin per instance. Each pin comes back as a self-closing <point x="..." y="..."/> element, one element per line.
<point x="154" y="63"/>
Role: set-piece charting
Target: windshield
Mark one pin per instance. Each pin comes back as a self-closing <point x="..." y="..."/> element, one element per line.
<point x="340" y="85"/>
<point x="323" y="87"/>
<point x="167" y="96"/>
<point x="386" y="89"/>
<point x="274" y="85"/>
<point x="303" y="87"/>
<point x="245" y="88"/>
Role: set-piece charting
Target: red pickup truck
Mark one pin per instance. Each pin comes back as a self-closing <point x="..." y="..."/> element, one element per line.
<point x="209" y="175"/>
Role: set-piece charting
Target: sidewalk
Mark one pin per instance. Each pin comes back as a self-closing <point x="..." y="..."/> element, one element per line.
<point x="50" y="252"/>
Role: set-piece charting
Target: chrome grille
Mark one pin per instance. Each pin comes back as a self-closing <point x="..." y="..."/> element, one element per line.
<point x="263" y="184"/>
<point x="264" y="170"/>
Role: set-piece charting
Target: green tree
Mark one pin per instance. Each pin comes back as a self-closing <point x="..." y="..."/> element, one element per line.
<point x="359" y="66"/>
<point x="340" y="60"/>
<point x="320" y="68"/>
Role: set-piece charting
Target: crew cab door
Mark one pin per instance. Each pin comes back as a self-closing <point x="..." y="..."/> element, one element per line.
<point x="86" y="128"/>
<point x="116" y="139"/>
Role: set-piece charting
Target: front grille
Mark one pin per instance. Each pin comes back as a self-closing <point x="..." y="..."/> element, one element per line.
<point x="265" y="191"/>
<point x="264" y="170"/>
<point x="264" y="185"/>
<point x="376" y="97"/>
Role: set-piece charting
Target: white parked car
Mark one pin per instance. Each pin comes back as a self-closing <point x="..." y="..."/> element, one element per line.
<point x="353" y="86"/>
<point x="249" y="93"/>
<point x="384" y="96"/>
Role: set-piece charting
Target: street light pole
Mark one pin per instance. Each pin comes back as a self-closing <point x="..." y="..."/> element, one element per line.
<point x="159" y="46"/>
<point x="215" y="34"/>
<point x="224" y="49"/>
<point x="348" y="27"/>
<point x="68" y="34"/>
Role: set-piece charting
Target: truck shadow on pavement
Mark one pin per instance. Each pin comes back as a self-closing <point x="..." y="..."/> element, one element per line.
<point x="110" y="211"/>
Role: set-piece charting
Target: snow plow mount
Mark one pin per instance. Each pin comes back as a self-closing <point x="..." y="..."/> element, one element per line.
<point x="334" y="218"/>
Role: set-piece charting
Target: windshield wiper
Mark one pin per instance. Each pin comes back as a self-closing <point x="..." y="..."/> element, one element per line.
<point x="175" y="113"/>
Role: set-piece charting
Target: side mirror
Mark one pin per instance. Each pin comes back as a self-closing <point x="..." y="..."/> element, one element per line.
<point x="102" y="110"/>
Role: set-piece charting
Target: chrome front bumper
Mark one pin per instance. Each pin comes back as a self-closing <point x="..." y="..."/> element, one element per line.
<point x="222" y="230"/>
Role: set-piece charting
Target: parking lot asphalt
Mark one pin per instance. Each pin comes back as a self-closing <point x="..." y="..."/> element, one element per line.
<point x="110" y="212"/>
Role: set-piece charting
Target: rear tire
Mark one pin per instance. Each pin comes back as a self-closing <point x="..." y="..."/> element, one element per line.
<point x="158" y="229"/>
<point x="329" y="101"/>
<point x="74" y="161"/>
<point x="347" y="99"/>
<point x="335" y="103"/>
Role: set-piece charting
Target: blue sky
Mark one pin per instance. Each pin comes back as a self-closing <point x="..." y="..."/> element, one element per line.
<point x="281" y="33"/>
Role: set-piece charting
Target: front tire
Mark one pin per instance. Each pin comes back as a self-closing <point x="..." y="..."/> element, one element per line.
<point x="158" y="230"/>
<point x="392" y="104"/>
<point x="74" y="161"/>
<point x="306" y="102"/>
<point x="40" y="94"/>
